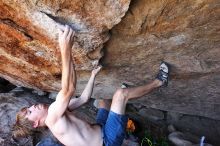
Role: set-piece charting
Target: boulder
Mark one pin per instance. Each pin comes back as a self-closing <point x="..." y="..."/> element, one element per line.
<point x="151" y="114"/>
<point x="29" y="52"/>
<point x="183" y="33"/>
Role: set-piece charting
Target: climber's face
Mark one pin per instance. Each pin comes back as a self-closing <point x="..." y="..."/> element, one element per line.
<point x="36" y="112"/>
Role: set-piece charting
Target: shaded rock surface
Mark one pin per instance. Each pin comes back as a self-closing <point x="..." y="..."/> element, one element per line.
<point x="199" y="126"/>
<point x="192" y="127"/>
<point x="183" y="33"/>
<point x="151" y="114"/>
<point x="152" y="120"/>
<point x="11" y="103"/>
<point x="9" y="106"/>
<point x="179" y="139"/>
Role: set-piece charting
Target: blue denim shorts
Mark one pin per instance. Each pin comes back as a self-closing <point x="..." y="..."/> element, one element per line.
<point x="113" y="127"/>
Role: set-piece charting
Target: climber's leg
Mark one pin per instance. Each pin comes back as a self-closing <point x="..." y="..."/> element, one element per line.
<point x="122" y="96"/>
<point x="114" y="128"/>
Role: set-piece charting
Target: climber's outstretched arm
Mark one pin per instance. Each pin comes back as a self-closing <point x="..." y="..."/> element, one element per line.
<point x="87" y="92"/>
<point x="68" y="80"/>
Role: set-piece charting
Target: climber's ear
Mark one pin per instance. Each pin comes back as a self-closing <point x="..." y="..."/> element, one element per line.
<point x="36" y="124"/>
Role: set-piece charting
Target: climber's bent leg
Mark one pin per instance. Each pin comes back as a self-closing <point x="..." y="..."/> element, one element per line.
<point x="122" y="96"/>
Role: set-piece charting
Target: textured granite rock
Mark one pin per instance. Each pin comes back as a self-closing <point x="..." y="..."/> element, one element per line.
<point x="183" y="33"/>
<point x="195" y="125"/>
<point x="151" y="114"/>
<point x="29" y="53"/>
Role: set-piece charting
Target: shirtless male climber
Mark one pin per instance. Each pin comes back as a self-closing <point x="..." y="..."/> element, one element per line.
<point x="69" y="129"/>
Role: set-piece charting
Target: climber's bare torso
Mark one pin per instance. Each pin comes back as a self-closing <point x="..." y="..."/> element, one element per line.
<point x="72" y="131"/>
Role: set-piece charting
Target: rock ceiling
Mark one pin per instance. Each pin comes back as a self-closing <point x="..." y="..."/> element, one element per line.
<point x="142" y="33"/>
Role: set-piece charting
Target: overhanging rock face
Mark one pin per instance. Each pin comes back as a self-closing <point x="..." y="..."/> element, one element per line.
<point x="183" y="33"/>
<point x="29" y="53"/>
